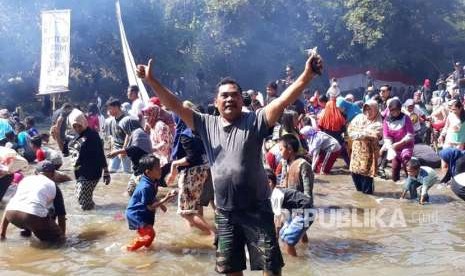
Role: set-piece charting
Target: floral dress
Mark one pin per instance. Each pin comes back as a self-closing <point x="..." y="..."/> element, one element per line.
<point x="162" y="141"/>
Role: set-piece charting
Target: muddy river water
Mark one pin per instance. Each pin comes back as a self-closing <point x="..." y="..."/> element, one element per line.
<point x="354" y="234"/>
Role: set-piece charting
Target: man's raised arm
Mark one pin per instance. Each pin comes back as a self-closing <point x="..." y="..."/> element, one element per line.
<point x="274" y="109"/>
<point x="167" y="98"/>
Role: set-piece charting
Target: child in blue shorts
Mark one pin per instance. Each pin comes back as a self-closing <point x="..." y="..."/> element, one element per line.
<point x="140" y="212"/>
<point x="298" y="205"/>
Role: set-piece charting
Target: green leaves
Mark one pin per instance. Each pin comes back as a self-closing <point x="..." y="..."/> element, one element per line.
<point x="251" y="40"/>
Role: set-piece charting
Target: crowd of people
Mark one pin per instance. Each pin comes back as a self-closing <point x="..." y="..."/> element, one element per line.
<point x="251" y="158"/>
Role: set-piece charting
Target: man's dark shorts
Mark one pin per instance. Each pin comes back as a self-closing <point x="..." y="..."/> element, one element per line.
<point x="45" y="229"/>
<point x="254" y="228"/>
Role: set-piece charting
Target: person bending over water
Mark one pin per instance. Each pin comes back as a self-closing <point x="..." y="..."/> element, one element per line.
<point x="35" y="205"/>
<point x="418" y="176"/>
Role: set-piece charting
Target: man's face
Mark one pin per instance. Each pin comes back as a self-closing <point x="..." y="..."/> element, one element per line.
<point x="132" y="95"/>
<point x="270" y="91"/>
<point x="411" y="171"/>
<point x="289" y="72"/>
<point x="384" y="93"/>
<point x="113" y="110"/>
<point x="229" y="102"/>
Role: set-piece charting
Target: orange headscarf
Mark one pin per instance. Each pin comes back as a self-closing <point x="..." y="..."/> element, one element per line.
<point x="332" y="118"/>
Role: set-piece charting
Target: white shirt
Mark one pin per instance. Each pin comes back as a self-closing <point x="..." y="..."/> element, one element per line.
<point x="277" y="198"/>
<point x="136" y="107"/>
<point x="35" y="195"/>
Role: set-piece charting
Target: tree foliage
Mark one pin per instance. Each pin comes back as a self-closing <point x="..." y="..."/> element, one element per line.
<point x="251" y="40"/>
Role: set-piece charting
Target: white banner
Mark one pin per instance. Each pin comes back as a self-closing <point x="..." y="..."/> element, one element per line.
<point x="129" y="59"/>
<point x="55" y="57"/>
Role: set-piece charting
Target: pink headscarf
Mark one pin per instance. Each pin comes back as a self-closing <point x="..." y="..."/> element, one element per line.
<point x="151" y="114"/>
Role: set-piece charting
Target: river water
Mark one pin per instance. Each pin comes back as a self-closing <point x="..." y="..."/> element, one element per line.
<point x="354" y="234"/>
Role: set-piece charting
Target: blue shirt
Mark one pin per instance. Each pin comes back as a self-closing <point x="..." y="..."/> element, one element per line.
<point x="5" y="127"/>
<point x="23" y="139"/>
<point x="137" y="213"/>
<point x="33" y="132"/>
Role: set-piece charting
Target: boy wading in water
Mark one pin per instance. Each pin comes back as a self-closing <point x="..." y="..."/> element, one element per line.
<point x="140" y="212"/>
<point x="299" y="177"/>
<point x="297" y="204"/>
<point x="233" y="143"/>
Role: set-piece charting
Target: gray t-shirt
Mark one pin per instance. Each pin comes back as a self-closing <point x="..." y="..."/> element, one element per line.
<point x="234" y="153"/>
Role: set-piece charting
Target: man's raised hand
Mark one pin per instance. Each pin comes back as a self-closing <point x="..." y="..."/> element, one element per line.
<point x="145" y="71"/>
<point x="317" y="62"/>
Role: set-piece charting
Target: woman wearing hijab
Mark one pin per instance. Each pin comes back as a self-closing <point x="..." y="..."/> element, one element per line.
<point x="192" y="172"/>
<point x="365" y="132"/>
<point x="398" y="136"/>
<point x="90" y="160"/>
<point x="332" y="120"/>
<point x="138" y="145"/>
<point x="161" y="135"/>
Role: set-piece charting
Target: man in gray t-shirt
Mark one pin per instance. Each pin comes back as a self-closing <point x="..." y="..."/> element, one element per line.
<point x="233" y="143"/>
<point x="234" y="153"/>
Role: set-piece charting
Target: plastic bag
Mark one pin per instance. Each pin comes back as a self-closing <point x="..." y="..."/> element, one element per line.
<point x="391" y="154"/>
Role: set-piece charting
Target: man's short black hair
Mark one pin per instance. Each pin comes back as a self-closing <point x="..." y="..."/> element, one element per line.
<point x="113" y="102"/>
<point x="66" y="106"/>
<point x="36" y="141"/>
<point x="20" y="126"/>
<point x="414" y="163"/>
<point x="271" y="176"/>
<point x="388" y="87"/>
<point x="323" y="99"/>
<point x="148" y="162"/>
<point x="133" y="88"/>
<point x="290" y="141"/>
<point x="228" y="80"/>
<point x="29" y="120"/>
<point x="273" y="85"/>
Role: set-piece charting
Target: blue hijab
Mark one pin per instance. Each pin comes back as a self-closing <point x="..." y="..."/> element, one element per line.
<point x="450" y="156"/>
<point x="349" y="109"/>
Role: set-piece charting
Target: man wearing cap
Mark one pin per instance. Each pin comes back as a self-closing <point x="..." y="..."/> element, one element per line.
<point x="35" y="205"/>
